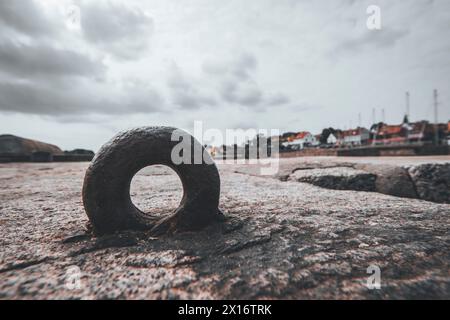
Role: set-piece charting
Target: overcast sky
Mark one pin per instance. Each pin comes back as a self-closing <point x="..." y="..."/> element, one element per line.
<point x="284" y="64"/>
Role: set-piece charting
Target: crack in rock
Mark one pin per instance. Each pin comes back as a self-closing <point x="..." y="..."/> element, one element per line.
<point x="23" y="265"/>
<point x="111" y="241"/>
<point x="168" y="258"/>
<point x="233" y="246"/>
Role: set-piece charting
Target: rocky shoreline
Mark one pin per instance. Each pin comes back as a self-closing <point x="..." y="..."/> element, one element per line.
<point x="430" y="182"/>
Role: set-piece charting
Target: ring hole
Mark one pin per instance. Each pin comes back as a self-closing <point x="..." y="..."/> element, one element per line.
<point x="156" y="190"/>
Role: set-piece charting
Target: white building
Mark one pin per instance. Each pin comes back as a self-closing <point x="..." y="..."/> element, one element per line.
<point x="301" y="140"/>
<point x="356" y="136"/>
<point x="331" y="139"/>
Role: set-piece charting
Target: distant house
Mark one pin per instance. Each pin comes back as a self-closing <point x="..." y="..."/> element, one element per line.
<point x="356" y="137"/>
<point x="414" y="132"/>
<point x="390" y="134"/>
<point x="276" y="139"/>
<point x="448" y="133"/>
<point x="276" y="144"/>
<point x="332" y="139"/>
<point x="227" y="152"/>
<point x="317" y="140"/>
<point x="301" y="140"/>
<point x="211" y="150"/>
<point x="423" y="131"/>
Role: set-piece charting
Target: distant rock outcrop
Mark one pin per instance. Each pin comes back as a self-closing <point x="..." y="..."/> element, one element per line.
<point x="17" y="149"/>
<point x="13" y="148"/>
<point x="79" y="152"/>
<point x="13" y="145"/>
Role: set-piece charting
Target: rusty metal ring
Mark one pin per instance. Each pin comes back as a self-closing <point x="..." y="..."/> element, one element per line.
<point x="106" y="188"/>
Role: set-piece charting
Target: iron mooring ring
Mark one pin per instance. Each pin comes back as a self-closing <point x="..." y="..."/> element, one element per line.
<point x="106" y="188"/>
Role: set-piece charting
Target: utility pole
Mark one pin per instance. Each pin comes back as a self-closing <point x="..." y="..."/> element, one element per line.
<point x="407" y="104"/>
<point x="359" y="120"/>
<point x="436" y="118"/>
<point x="435" y="96"/>
<point x="383" y="115"/>
<point x="375" y="127"/>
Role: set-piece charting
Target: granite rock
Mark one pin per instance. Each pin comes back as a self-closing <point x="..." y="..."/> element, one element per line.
<point x="279" y="240"/>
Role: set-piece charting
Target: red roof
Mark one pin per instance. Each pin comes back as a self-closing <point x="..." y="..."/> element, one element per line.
<point x="390" y="140"/>
<point x="302" y="135"/>
<point x="387" y="129"/>
<point x="352" y="132"/>
<point x="348" y="133"/>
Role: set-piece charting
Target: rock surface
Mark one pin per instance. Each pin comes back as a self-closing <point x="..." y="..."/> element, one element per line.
<point x="426" y="181"/>
<point x="392" y="180"/>
<point x="279" y="239"/>
<point x="338" y="178"/>
<point x="432" y="181"/>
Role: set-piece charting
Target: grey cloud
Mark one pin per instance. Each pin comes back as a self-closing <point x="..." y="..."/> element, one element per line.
<point x="244" y="66"/>
<point x="242" y="94"/>
<point x="116" y="28"/>
<point x="376" y="39"/>
<point x="36" y="60"/>
<point x="25" y="17"/>
<point x="278" y="99"/>
<point x="245" y="124"/>
<point x="189" y="100"/>
<point x="140" y="97"/>
<point x="241" y="68"/>
<point x="31" y="98"/>
<point x="43" y="99"/>
<point x="238" y="84"/>
<point x="42" y="76"/>
<point x="184" y="93"/>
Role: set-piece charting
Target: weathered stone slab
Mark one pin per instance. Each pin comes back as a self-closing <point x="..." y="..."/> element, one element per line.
<point x="432" y="181"/>
<point x="338" y="178"/>
<point x="392" y="180"/>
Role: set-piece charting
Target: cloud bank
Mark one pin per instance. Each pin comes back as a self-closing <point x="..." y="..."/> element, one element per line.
<point x="291" y="65"/>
